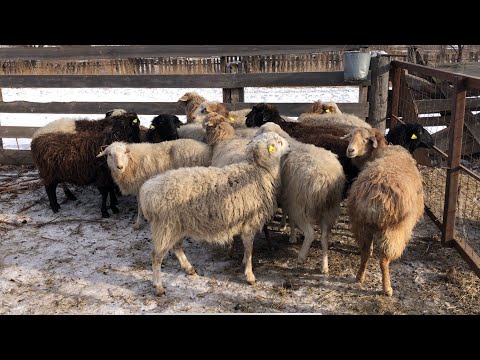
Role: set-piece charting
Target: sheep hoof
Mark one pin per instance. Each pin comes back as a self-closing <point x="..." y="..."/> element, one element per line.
<point x="70" y="196"/>
<point x="324" y="270"/>
<point x="251" y="279"/>
<point x="282" y="228"/>
<point x="300" y="260"/>
<point x="160" y="291"/>
<point x="114" y="209"/>
<point x="388" y="292"/>
<point x="361" y="278"/>
<point x="136" y="226"/>
<point x="191" y="271"/>
<point x="105" y="214"/>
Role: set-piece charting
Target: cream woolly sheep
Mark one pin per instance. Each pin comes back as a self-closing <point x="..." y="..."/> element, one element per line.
<point x="193" y="131"/>
<point x="213" y="204"/>
<point x="312" y="187"/>
<point x="132" y="164"/>
<point x="190" y="101"/>
<point x="329" y="114"/>
<point x="235" y="117"/>
<point x="385" y="201"/>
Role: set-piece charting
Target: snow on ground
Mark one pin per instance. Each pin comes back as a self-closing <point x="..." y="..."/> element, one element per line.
<point x="273" y="95"/>
<point x="76" y="262"/>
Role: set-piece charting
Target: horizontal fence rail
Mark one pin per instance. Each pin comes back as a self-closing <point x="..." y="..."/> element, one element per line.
<point x="87" y="52"/>
<point x="239" y="80"/>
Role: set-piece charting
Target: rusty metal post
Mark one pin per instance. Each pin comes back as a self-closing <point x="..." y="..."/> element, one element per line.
<point x="396" y="82"/>
<point x="455" y="135"/>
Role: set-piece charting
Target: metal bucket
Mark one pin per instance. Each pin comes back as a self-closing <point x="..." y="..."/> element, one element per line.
<point x="355" y="65"/>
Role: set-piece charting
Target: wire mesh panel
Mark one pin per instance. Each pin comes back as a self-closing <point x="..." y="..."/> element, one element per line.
<point x="448" y="106"/>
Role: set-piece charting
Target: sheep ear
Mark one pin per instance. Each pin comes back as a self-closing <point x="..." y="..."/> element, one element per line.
<point x="347" y="136"/>
<point x="209" y="108"/>
<point x="183" y="98"/>
<point x="332" y="109"/>
<point x="127" y="150"/>
<point x="374" y="141"/>
<point x="102" y="153"/>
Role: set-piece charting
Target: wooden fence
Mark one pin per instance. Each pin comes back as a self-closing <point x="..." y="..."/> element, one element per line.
<point x="450" y="101"/>
<point x="232" y="84"/>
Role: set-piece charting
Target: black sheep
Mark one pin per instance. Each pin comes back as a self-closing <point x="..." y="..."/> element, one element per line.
<point x="163" y="128"/>
<point x="410" y="136"/>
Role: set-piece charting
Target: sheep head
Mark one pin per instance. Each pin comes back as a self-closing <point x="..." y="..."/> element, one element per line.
<point x="118" y="155"/>
<point x="208" y="107"/>
<point x="190" y="102"/>
<point x="362" y="142"/>
<point x="163" y="128"/>
<point x="126" y="127"/>
<point x="261" y="114"/>
<point x="217" y="128"/>
<point x="410" y="136"/>
<point x="266" y="149"/>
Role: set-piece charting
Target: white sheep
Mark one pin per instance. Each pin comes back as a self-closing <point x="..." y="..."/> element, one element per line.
<point x="132" y="164"/>
<point x="213" y="204"/>
<point x="385" y="201"/>
<point x="328" y="114"/>
<point x="312" y="186"/>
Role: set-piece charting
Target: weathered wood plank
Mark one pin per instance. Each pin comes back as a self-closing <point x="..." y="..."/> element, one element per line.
<point x="87" y="52"/>
<point x="378" y="93"/>
<point x="17" y="131"/>
<point x="334" y="78"/>
<point x="15" y="157"/>
<point x="155" y="108"/>
<point x="438" y="105"/>
<point x="425" y="70"/>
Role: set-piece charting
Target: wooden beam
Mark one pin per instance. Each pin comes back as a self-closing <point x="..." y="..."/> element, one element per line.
<point x="378" y="93"/>
<point x="17" y="131"/>
<point x="15" y="157"/>
<point x="469" y="254"/>
<point x="87" y="52"/>
<point x="454" y="156"/>
<point x="426" y="70"/>
<point x="438" y="105"/>
<point x="155" y="108"/>
<point x="334" y="78"/>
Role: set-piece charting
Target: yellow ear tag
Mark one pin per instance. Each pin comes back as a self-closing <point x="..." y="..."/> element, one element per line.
<point x="413" y="137"/>
<point x="232" y="119"/>
<point x="152" y="127"/>
<point x="327" y="111"/>
<point x="135" y="121"/>
<point x="271" y="148"/>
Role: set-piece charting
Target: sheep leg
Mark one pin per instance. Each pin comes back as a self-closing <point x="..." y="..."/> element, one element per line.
<point x="247" y="257"/>
<point x="385" y="266"/>
<point x="113" y="201"/>
<point x="283" y="221"/>
<point x="52" y="196"/>
<point x="103" y="190"/>
<point x="325" y="234"/>
<point x="266" y="232"/>
<point x="293" y="232"/>
<point x="140" y="219"/>
<point x="182" y="258"/>
<point x="366" y="252"/>
<point x="309" y="233"/>
<point x="67" y="192"/>
<point x="157" y="258"/>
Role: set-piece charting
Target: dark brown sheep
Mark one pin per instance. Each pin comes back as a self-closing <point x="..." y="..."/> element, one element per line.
<point x="64" y="157"/>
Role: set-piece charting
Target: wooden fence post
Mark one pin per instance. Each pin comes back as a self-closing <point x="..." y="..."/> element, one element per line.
<point x="378" y="94"/>
<point x="362" y="89"/>
<point x="455" y="135"/>
<point x="396" y="80"/>
<point x="235" y="95"/>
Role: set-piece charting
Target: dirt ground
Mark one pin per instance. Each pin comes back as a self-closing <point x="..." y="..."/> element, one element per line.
<point x="76" y="262"/>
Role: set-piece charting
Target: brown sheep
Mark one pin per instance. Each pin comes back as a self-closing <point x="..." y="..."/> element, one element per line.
<point x="385" y="201"/>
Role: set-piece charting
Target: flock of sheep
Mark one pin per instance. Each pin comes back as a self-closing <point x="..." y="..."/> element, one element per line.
<point x="224" y="174"/>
